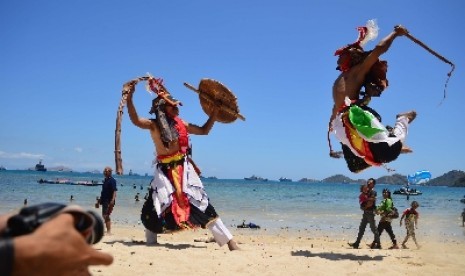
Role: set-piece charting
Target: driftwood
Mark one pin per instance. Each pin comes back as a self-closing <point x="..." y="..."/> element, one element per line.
<point x="153" y="84"/>
<point x="119" y="119"/>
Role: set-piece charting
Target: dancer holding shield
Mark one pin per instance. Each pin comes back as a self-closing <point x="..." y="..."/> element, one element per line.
<point x="179" y="199"/>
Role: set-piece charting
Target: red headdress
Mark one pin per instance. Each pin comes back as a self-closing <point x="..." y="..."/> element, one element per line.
<point x="365" y="34"/>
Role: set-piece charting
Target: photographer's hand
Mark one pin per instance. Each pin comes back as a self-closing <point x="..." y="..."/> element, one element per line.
<point x="56" y="248"/>
<point x="3" y="222"/>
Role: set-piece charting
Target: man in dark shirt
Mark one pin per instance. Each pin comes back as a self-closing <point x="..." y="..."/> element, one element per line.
<point x="108" y="197"/>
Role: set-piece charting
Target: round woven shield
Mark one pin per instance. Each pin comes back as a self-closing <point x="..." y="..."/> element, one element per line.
<point x="213" y="94"/>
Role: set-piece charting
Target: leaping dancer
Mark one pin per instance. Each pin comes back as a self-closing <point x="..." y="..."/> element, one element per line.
<point x="365" y="140"/>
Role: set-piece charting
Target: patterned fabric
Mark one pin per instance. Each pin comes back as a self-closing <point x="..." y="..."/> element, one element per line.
<point x="179" y="197"/>
<point x="364" y="122"/>
<point x="166" y="124"/>
<point x="183" y="136"/>
<point x="410" y="216"/>
<point x="173" y="168"/>
<point x="410" y="226"/>
<point x="358" y="143"/>
<point x="365" y="141"/>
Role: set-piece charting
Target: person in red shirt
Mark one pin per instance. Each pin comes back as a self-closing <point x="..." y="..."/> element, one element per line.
<point x="363" y="197"/>
<point x="411" y="223"/>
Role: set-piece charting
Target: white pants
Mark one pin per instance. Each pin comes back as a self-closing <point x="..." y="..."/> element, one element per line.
<point x="220" y="232"/>
<point x="401" y="128"/>
<point x="150" y="237"/>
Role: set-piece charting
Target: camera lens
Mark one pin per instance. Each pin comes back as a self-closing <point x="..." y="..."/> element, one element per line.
<point x="89" y="224"/>
<point x="97" y="229"/>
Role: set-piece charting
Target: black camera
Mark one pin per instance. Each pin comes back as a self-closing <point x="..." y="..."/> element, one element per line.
<point x="30" y="218"/>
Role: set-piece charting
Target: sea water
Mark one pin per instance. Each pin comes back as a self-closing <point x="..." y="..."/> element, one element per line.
<point x="321" y="208"/>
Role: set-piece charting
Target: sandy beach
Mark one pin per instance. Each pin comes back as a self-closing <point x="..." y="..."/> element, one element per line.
<point x="279" y="253"/>
<point x="305" y="231"/>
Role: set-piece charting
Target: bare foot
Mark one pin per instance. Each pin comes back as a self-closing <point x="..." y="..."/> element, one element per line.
<point x="335" y="154"/>
<point x="206" y="239"/>
<point x="406" y="149"/>
<point x="411" y="115"/>
<point x="232" y="245"/>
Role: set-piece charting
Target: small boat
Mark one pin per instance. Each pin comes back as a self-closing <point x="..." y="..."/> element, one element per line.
<point x="256" y="178"/>
<point x="86" y="183"/>
<point x="55" y="181"/>
<point x="40" y="167"/>
<point x="208" y="177"/>
<point x="2" y="168"/>
<point x="284" y="179"/>
<point x="407" y="191"/>
<point x="65" y="181"/>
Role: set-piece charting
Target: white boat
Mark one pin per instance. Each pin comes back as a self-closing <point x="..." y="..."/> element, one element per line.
<point x="406" y="190"/>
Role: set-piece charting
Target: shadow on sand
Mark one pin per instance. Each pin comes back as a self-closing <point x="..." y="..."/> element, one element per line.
<point x="165" y="245"/>
<point x="336" y="256"/>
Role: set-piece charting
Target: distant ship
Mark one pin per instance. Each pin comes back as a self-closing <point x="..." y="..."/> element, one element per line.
<point x="208" y="177"/>
<point x="132" y="173"/>
<point x="40" y="167"/>
<point x="284" y="179"/>
<point x="257" y="178"/>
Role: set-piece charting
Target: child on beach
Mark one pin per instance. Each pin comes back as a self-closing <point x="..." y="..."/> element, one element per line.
<point x="411" y="222"/>
<point x="363" y="197"/>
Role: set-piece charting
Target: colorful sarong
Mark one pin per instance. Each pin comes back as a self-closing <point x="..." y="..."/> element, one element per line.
<point x="365" y="141"/>
<point x="179" y="198"/>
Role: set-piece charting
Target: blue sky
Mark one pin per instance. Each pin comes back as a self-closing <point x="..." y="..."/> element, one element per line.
<point x="63" y="64"/>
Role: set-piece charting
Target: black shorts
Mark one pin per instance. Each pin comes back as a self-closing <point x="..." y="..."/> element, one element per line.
<point x="107" y="208"/>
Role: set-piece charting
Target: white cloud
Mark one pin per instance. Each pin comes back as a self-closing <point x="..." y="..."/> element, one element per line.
<point x="78" y="149"/>
<point x="20" y="155"/>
